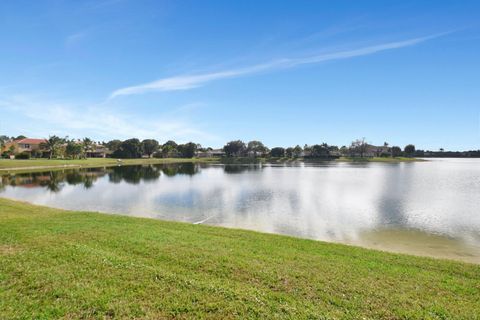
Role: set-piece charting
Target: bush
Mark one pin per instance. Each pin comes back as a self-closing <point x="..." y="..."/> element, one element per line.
<point x="37" y="154"/>
<point x="22" y="155"/>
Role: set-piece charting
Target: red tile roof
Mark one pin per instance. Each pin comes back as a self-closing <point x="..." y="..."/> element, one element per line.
<point x="31" y="141"/>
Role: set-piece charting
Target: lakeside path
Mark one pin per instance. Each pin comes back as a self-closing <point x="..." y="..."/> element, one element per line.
<point x="69" y="264"/>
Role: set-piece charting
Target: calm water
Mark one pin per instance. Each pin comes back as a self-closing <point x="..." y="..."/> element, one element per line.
<point x="429" y="208"/>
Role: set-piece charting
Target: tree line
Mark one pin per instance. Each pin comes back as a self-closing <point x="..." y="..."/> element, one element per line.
<point x="134" y="148"/>
<point x="358" y="148"/>
<point x="57" y="147"/>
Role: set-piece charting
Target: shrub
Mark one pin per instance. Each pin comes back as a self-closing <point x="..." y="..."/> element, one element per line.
<point x="158" y="154"/>
<point x="37" y="154"/>
<point x="22" y="155"/>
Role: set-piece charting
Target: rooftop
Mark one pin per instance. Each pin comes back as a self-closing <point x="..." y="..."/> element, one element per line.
<point x="31" y="141"/>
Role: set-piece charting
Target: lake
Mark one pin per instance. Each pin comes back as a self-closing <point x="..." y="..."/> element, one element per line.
<point x="425" y="208"/>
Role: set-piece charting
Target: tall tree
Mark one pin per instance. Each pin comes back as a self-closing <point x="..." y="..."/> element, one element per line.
<point x="52" y="145"/>
<point x="170" y="149"/>
<point x="187" y="150"/>
<point x="235" y="148"/>
<point x="170" y="143"/>
<point x="131" y="148"/>
<point x="320" y="150"/>
<point x="113" y="145"/>
<point x="150" y="146"/>
<point x="277" y="152"/>
<point x="409" y="150"/>
<point x="256" y="148"/>
<point x="289" y="152"/>
<point x="74" y="149"/>
<point x="359" y="146"/>
<point x="297" y="151"/>
<point x="396" y="151"/>
<point x="87" y="146"/>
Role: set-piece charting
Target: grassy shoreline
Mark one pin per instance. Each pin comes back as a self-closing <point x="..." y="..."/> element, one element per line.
<point x="245" y="160"/>
<point x="380" y="159"/>
<point x="7" y="165"/>
<point x="65" y="264"/>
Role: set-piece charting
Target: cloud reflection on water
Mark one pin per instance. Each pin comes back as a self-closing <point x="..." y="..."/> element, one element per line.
<point x="333" y="202"/>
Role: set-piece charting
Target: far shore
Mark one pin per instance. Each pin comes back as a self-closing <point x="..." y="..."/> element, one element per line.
<point x="7" y="165"/>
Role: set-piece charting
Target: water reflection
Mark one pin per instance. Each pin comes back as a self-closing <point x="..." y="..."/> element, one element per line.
<point x="356" y="203"/>
<point x="238" y="168"/>
<point x="133" y="174"/>
<point x="52" y="180"/>
<point x="55" y="180"/>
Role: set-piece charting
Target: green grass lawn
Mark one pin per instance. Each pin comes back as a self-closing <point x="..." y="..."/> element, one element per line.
<point x="62" y="264"/>
<point x="38" y="164"/>
<point x="247" y="160"/>
<point x="379" y="159"/>
<point x="6" y="164"/>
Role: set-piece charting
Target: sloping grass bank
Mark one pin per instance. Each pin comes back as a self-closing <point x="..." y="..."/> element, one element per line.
<point x="63" y="264"/>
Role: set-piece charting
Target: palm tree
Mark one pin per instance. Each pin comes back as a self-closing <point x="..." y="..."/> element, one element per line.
<point x="87" y="145"/>
<point x="52" y="144"/>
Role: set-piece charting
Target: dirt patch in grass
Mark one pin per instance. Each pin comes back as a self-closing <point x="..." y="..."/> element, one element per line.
<point x="6" y="249"/>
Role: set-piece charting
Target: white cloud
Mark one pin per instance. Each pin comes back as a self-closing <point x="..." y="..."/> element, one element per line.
<point x="99" y="122"/>
<point x="185" y="82"/>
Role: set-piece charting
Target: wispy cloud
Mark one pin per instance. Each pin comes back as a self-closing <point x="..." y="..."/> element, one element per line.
<point x="75" y="38"/>
<point x="185" y="82"/>
<point x="99" y="122"/>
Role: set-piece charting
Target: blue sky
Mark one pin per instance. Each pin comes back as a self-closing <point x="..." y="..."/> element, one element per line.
<point x="283" y="72"/>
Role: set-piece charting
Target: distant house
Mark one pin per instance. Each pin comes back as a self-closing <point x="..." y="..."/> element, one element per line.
<point x="27" y="145"/>
<point x="213" y="153"/>
<point x="98" y="151"/>
<point x="377" y="151"/>
<point x="254" y="154"/>
<point x="371" y="151"/>
<point x="218" y="153"/>
<point x="335" y="154"/>
<point x="306" y="153"/>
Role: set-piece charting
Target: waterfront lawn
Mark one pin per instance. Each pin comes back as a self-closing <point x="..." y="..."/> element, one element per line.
<point x="90" y="162"/>
<point x="36" y="164"/>
<point x="378" y="159"/>
<point x="250" y="160"/>
<point x="62" y="264"/>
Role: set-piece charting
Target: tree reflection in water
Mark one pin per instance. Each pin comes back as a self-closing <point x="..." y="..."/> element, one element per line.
<point x="55" y="180"/>
<point x="238" y="168"/>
